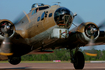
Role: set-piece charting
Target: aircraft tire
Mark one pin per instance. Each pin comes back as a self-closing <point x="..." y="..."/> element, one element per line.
<point x="14" y="60"/>
<point x="79" y="60"/>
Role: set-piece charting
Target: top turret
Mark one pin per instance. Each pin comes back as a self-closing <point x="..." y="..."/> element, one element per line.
<point x="41" y="6"/>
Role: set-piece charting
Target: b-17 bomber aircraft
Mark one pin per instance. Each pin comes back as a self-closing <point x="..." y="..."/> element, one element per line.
<point x="47" y="28"/>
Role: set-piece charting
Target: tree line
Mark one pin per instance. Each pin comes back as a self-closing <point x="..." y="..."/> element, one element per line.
<point x="61" y="54"/>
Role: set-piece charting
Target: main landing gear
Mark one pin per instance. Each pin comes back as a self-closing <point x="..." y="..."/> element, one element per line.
<point x="14" y="60"/>
<point x="77" y="59"/>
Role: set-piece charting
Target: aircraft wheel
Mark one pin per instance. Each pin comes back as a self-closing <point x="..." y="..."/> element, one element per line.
<point x="79" y="60"/>
<point x="14" y="60"/>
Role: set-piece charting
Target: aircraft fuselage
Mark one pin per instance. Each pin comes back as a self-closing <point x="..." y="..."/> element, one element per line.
<point x="39" y="32"/>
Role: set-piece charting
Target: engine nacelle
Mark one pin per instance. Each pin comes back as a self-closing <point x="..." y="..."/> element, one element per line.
<point x="4" y="23"/>
<point x="85" y="31"/>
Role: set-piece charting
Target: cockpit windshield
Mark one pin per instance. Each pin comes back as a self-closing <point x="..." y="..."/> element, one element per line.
<point x="42" y="8"/>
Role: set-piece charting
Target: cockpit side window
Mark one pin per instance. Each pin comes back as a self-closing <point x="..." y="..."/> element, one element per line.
<point x="33" y="12"/>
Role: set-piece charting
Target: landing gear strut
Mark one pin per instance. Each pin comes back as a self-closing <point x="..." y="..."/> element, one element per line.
<point x="14" y="60"/>
<point x="77" y="59"/>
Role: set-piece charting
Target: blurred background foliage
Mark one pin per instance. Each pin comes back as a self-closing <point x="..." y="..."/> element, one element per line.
<point x="61" y="54"/>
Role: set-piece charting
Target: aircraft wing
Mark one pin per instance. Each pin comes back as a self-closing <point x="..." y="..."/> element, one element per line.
<point x="82" y="36"/>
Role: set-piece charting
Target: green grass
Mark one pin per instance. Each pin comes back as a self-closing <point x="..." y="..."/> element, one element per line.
<point x="3" y="61"/>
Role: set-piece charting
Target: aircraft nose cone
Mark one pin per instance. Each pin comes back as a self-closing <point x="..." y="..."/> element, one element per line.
<point x="62" y="11"/>
<point x="63" y="17"/>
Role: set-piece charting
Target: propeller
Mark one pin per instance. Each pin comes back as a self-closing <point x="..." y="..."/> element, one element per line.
<point x="90" y="30"/>
<point x="6" y="30"/>
<point x="92" y="51"/>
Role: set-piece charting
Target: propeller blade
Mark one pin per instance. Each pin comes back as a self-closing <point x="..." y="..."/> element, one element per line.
<point x="22" y="14"/>
<point x="91" y="49"/>
<point x="102" y="24"/>
<point x="78" y="19"/>
<point x="6" y="48"/>
<point x="27" y="16"/>
<point x="19" y="17"/>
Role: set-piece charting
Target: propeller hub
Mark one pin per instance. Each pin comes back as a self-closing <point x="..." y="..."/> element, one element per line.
<point x="91" y="30"/>
<point x="6" y="27"/>
<point x="95" y="30"/>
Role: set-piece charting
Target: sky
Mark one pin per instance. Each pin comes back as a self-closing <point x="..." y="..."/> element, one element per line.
<point x="88" y="10"/>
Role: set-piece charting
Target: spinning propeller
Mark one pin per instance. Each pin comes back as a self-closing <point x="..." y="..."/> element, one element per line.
<point x="91" y="32"/>
<point x="91" y="50"/>
<point x="7" y="30"/>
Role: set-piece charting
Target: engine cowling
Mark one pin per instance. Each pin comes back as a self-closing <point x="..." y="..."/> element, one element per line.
<point x="85" y="31"/>
<point x="4" y="23"/>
